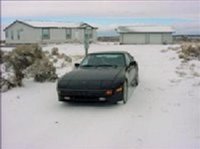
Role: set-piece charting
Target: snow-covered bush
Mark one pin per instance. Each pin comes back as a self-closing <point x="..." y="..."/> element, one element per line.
<point x="22" y="57"/>
<point x="59" y="60"/>
<point x="65" y="57"/>
<point x="31" y="61"/>
<point x="47" y="53"/>
<point x="8" y="78"/>
<point x="1" y="56"/>
<point x="61" y="56"/>
<point x="42" y="70"/>
<point x="54" y="51"/>
<point x="16" y="65"/>
<point x="77" y="57"/>
<point x="190" y="51"/>
<point x="174" y="48"/>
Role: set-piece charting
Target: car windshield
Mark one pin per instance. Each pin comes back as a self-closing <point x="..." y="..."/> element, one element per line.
<point x="103" y="60"/>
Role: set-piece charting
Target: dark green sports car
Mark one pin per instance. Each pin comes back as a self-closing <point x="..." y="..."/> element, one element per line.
<point x="103" y="76"/>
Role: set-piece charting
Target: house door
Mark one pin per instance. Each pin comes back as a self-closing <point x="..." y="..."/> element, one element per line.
<point x="134" y="38"/>
<point x="155" y="39"/>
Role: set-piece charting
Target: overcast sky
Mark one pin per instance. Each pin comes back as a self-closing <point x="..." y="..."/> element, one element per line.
<point x="183" y="15"/>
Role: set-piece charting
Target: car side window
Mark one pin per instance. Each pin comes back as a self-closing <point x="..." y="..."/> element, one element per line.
<point x="131" y="57"/>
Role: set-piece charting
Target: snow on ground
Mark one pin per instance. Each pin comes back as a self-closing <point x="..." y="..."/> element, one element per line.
<point x="162" y="112"/>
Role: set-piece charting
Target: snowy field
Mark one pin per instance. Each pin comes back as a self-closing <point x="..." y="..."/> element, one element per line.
<point x="163" y="112"/>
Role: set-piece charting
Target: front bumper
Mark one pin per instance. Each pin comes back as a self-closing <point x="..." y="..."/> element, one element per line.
<point x="88" y="95"/>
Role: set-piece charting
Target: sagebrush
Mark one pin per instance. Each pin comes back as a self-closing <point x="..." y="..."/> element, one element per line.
<point x="190" y="51"/>
<point x="23" y="57"/>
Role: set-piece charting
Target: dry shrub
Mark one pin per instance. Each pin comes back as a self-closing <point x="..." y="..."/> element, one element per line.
<point x="61" y="56"/>
<point x="42" y="70"/>
<point x="196" y="74"/>
<point x="1" y="56"/>
<point x="46" y="53"/>
<point x="6" y="85"/>
<point x="8" y="78"/>
<point x="174" y="48"/>
<point x="65" y="57"/>
<point x="190" y="51"/>
<point x="77" y="57"/>
<point x="184" y="57"/>
<point x="63" y="64"/>
<point x="54" y="51"/>
<point x="24" y="56"/>
<point x="55" y="60"/>
<point x="181" y="73"/>
<point x="164" y="50"/>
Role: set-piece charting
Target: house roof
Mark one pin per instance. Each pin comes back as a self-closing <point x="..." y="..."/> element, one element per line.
<point x="53" y="24"/>
<point x="44" y="24"/>
<point x="144" y="28"/>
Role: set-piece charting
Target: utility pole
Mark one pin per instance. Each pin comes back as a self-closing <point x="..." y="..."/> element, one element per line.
<point x="86" y="39"/>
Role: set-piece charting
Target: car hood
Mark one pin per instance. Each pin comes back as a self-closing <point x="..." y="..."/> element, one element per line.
<point x="90" y="78"/>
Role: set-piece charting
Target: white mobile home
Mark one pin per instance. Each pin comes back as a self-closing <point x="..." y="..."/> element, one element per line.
<point x="20" y="32"/>
<point x="145" y="34"/>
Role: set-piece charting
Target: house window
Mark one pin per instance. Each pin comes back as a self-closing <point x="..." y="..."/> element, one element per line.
<point x="89" y="34"/>
<point x="6" y="34"/>
<point x="12" y="35"/>
<point x="45" y="33"/>
<point x="18" y="34"/>
<point x="68" y="33"/>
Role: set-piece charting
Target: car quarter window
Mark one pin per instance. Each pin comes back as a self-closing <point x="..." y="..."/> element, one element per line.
<point x="128" y="60"/>
<point x="131" y="57"/>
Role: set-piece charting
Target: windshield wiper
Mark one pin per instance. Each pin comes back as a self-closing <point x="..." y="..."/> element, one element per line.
<point x="103" y="65"/>
<point x="87" y="65"/>
<point x="106" y="65"/>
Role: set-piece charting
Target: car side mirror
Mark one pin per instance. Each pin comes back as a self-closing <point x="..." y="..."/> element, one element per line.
<point x="133" y="63"/>
<point x="76" y="65"/>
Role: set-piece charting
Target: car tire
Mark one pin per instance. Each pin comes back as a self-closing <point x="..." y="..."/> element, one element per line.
<point x="61" y="99"/>
<point x="137" y="80"/>
<point x="137" y="76"/>
<point x="125" y="92"/>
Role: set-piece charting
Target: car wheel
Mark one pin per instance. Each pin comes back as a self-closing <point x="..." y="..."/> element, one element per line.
<point x="125" y="92"/>
<point x="135" y="82"/>
<point x="137" y="77"/>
